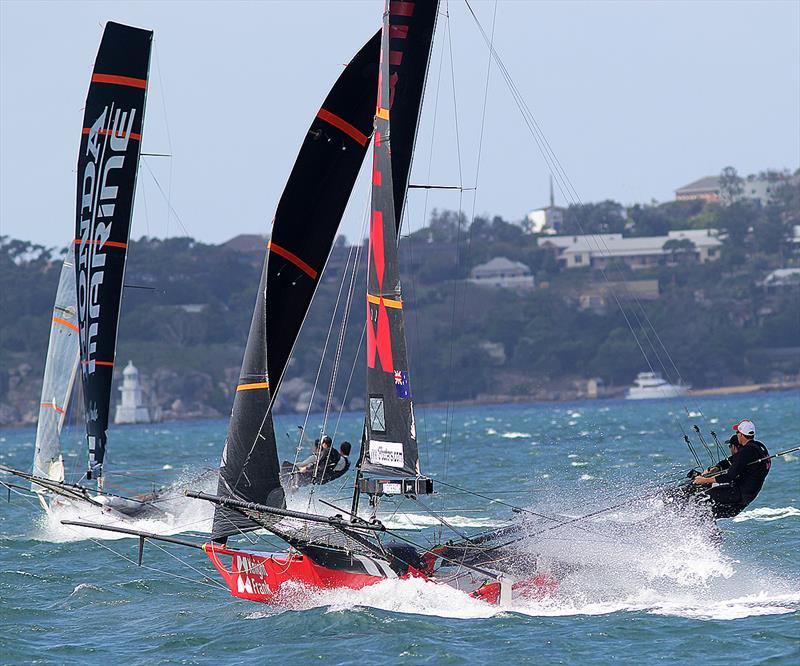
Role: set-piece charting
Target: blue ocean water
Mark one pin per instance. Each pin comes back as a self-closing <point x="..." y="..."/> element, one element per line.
<point x="658" y="590"/>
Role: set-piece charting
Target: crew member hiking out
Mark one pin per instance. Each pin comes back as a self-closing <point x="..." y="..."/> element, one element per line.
<point x="328" y="460"/>
<point x="344" y="462"/>
<point x="736" y="481"/>
<point x="302" y="473"/>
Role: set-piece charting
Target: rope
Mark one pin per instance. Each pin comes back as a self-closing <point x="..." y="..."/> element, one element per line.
<point x="569" y="192"/>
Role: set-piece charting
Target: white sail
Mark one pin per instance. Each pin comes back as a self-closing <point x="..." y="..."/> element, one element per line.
<point x="61" y="366"/>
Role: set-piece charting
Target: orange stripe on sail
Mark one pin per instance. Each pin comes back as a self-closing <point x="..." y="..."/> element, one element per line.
<point x="342" y="124"/>
<point x="64" y="322"/>
<point x="297" y="261"/>
<point x="106" y="244"/>
<point x="53" y="406"/>
<point x="104" y="132"/>
<point x="119" y="80"/>
<point x="388" y="302"/>
<point x="108" y="363"/>
<point x="250" y="387"/>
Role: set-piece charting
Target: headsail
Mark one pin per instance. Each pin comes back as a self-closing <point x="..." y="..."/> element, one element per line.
<point x="391" y="440"/>
<point x="303" y="232"/>
<point x="60" y="371"/>
<point x="107" y="166"/>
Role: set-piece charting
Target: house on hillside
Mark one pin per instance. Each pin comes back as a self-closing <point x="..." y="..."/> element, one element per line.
<point x="780" y="279"/>
<point x="706" y="189"/>
<point x="601" y="250"/>
<point x="502" y="272"/>
<point x="759" y="188"/>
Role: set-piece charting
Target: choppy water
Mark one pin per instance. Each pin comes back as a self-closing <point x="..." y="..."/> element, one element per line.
<point x="647" y="585"/>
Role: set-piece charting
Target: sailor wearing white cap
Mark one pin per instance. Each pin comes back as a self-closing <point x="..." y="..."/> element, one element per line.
<point x="737" y="480"/>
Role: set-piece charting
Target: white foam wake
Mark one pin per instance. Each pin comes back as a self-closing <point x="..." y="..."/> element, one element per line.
<point x="416" y="521"/>
<point x="767" y="514"/>
<point x="647" y="558"/>
<point x="180" y="514"/>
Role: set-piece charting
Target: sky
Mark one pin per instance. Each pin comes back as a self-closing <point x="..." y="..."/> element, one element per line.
<point x="635" y="99"/>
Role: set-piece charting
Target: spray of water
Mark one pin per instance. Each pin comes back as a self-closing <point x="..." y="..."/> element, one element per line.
<point x="177" y="514"/>
<point x="647" y="555"/>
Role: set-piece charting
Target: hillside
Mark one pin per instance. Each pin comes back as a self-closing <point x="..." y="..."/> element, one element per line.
<point x="187" y="307"/>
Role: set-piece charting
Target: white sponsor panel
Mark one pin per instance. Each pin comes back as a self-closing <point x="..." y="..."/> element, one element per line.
<point x="392" y="489"/>
<point x="389" y="454"/>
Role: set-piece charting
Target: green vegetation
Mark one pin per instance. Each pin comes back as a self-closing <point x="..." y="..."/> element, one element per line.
<point x="187" y="307"/>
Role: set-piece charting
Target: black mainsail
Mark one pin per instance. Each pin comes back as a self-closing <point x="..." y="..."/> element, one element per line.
<point x="107" y="166"/>
<point x="303" y="231"/>
<point x="390" y="441"/>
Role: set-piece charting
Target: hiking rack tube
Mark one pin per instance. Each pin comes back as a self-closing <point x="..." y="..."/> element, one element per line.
<point x="335" y="521"/>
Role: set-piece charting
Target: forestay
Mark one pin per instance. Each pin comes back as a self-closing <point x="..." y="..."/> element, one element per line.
<point x="107" y="167"/>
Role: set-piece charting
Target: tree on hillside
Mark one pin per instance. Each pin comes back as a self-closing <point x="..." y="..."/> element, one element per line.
<point x="648" y="221"/>
<point x="606" y="217"/>
<point x="731" y="185"/>
<point x="679" y="249"/>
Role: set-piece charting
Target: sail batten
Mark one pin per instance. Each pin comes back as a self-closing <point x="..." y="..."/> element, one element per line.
<point x="107" y="167"/>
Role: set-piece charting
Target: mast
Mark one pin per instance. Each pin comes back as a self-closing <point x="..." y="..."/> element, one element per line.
<point x="389" y="462"/>
<point x="107" y="166"/>
<point x="60" y="370"/>
<point x="411" y="26"/>
<point x="303" y="232"/>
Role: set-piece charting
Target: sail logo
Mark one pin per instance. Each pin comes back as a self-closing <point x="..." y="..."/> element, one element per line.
<point x="106" y="145"/>
<point x="388" y="454"/>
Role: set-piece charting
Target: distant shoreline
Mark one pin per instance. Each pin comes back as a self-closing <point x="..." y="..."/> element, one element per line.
<point x="745" y="388"/>
<point x="531" y="399"/>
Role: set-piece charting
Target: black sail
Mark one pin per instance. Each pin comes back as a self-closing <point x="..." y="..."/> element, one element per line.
<point x="303" y="232"/>
<point x="411" y="28"/>
<point x="107" y="166"/>
<point x="313" y="201"/>
<point x="391" y="442"/>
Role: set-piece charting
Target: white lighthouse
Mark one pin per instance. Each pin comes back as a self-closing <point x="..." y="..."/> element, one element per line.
<point x="131" y="408"/>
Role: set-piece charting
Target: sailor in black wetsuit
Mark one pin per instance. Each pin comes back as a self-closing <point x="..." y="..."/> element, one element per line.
<point x="328" y="460"/>
<point x="344" y="461"/>
<point x="737" y="480"/>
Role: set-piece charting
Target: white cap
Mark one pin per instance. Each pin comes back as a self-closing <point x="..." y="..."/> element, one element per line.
<point x="746" y="427"/>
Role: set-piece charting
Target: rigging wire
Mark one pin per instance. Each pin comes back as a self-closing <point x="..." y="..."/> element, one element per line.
<point x="423" y="224"/>
<point x="163" y="97"/>
<point x="569" y="192"/>
<point x="449" y="411"/>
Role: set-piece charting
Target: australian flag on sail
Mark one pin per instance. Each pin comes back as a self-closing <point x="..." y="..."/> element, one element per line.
<point x="401" y="384"/>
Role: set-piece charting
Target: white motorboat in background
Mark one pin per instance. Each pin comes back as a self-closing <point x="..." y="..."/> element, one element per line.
<point x="649" y="385"/>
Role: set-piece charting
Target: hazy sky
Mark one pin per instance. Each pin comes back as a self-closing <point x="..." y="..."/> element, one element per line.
<point x="635" y="98"/>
